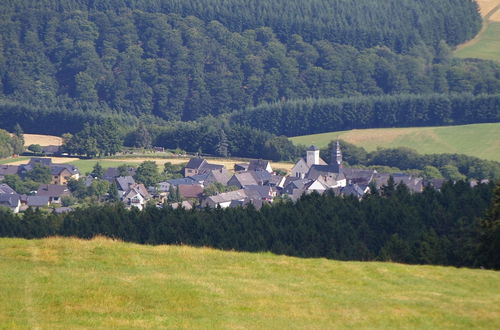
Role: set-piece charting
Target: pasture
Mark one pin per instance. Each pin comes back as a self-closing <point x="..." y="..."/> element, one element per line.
<point x="486" y="44"/>
<point x="61" y="283"/>
<point x="479" y="140"/>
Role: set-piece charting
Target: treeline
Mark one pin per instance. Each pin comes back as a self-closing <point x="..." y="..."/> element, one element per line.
<point x="432" y="227"/>
<point x="310" y="116"/>
<point x="448" y="166"/>
<point x="175" y="68"/>
<point x="398" y="24"/>
<point x="11" y="145"/>
<point x="56" y="121"/>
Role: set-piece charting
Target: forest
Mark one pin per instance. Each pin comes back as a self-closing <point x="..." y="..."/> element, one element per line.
<point x="185" y="60"/>
<point x="455" y="226"/>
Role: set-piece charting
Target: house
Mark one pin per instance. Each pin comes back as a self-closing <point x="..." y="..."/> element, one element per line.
<point x="241" y="167"/>
<point x="358" y="175"/>
<point x="62" y="173"/>
<point x="50" y="150"/>
<point x="177" y="182"/>
<point x="42" y="161"/>
<point x="11" y="201"/>
<point x="199" y="165"/>
<point x="53" y="191"/>
<point x="224" y="199"/>
<point x="123" y="183"/>
<point x="8" y="170"/>
<point x="354" y="189"/>
<point x="62" y="210"/>
<point x="113" y="172"/>
<point x="414" y="184"/>
<point x="221" y="176"/>
<point x="136" y="195"/>
<point x="5" y="189"/>
<point x="437" y="184"/>
<point x="260" y="165"/>
<point x="37" y="201"/>
<point x="303" y="166"/>
<point x="243" y="179"/>
<point x="265" y="193"/>
<point x="191" y="191"/>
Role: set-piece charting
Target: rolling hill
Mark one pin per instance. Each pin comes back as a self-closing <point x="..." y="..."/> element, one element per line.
<point x="68" y="283"/>
<point x="486" y="45"/>
<point x="479" y="140"/>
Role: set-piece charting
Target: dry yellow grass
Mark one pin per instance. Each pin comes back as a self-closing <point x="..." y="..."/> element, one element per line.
<point x="227" y="162"/>
<point x="56" y="160"/>
<point x="43" y="140"/>
<point x="495" y="17"/>
<point x="485" y="6"/>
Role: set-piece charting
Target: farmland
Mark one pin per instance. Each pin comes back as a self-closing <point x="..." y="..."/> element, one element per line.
<point x="486" y="45"/>
<point x="480" y="140"/>
<point x="68" y="283"/>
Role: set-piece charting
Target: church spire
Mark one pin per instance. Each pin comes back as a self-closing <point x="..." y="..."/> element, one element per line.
<point x="336" y="160"/>
<point x="338" y="154"/>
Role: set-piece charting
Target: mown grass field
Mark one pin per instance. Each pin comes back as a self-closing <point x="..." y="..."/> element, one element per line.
<point x="486" y="45"/>
<point x="86" y="165"/>
<point x="480" y="140"/>
<point x="61" y="283"/>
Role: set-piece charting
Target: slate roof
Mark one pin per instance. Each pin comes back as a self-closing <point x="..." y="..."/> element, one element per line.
<point x="241" y="167"/>
<point x="263" y="191"/>
<point x="10" y="200"/>
<point x="196" y="163"/>
<point x="41" y="161"/>
<point x="123" y="182"/>
<point x="358" y="175"/>
<point x="313" y="148"/>
<point x="243" y="179"/>
<point x="56" y="169"/>
<point x="258" y="165"/>
<point x="52" y="190"/>
<point x="414" y="184"/>
<point x="38" y="201"/>
<point x="9" y="169"/>
<point x="221" y="176"/>
<point x="324" y="170"/>
<point x="61" y="210"/>
<point x="52" y="149"/>
<point x="186" y="180"/>
<point x="353" y="190"/>
<point x="228" y="196"/>
<point x="5" y="189"/>
<point x="113" y="172"/>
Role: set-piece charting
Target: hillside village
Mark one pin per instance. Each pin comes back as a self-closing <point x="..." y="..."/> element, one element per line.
<point x="205" y="184"/>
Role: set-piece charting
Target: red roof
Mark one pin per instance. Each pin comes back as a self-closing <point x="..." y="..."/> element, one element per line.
<point x="190" y="190"/>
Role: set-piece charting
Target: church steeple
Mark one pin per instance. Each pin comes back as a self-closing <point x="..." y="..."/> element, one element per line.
<point x="336" y="160"/>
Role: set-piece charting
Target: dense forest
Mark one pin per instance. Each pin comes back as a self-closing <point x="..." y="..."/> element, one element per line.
<point x="149" y="58"/>
<point x="455" y="226"/>
<point x="398" y="24"/>
<point x="310" y="116"/>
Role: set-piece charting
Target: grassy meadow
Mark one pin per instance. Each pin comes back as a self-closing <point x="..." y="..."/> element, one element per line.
<point x="62" y="283"/>
<point x="480" y="140"/>
<point x="486" y="44"/>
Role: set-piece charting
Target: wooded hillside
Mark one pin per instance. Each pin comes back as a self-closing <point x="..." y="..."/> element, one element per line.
<point x="110" y="57"/>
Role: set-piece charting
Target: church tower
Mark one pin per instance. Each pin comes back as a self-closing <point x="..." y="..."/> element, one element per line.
<point x="336" y="161"/>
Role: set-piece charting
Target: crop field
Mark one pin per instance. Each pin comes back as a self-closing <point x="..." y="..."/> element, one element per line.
<point x="60" y="283"/>
<point x="486" y="45"/>
<point x="86" y="165"/>
<point x="43" y="140"/>
<point x="480" y="140"/>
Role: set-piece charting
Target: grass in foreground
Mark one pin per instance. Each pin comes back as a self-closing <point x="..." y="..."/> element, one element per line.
<point x="480" y="140"/>
<point x="68" y="283"/>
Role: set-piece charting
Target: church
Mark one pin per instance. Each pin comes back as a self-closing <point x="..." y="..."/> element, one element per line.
<point x="312" y="167"/>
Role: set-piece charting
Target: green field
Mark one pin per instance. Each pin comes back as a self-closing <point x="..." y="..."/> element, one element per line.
<point x="480" y="140"/>
<point x="68" y="283"/>
<point x="486" y="47"/>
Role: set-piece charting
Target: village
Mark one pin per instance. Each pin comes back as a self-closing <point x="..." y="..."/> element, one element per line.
<point x="254" y="183"/>
<point x="205" y="184"/>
